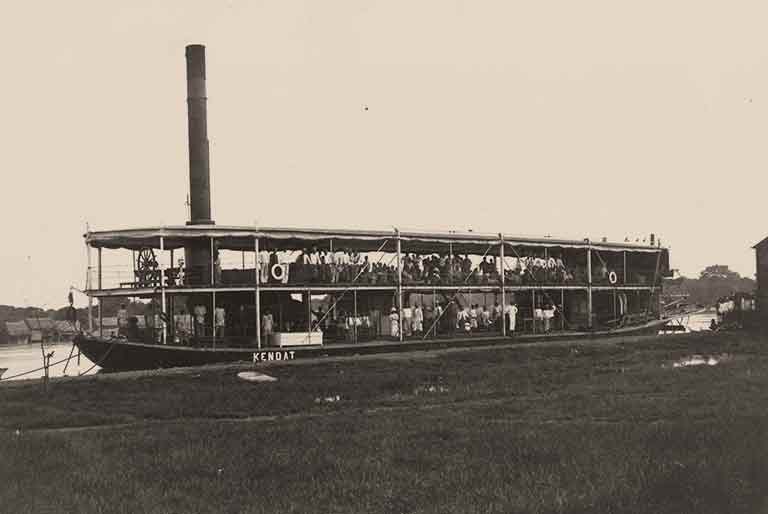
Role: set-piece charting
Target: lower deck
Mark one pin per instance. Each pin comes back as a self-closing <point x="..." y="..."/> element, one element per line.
<point x="117" y="354"/>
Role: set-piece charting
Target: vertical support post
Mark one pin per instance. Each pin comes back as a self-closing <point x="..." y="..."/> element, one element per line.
<point x="354" y="320"/>
<point x="309" y="314"/>
<point x="99" y="264"/>
<point x="436" y="321"/>
<point x="98" y="278"/>
<point x="243" y="252"/>
<point x="163" y="308"/>
<point x="533" y="308"/>
<point x="213" y="266"/>
<point x="257" y="293"/>
<point x="88" y="288"/>
<point x="589" y="286"/>
<point x="503" y="293"/>
<point x="624" y="254"/>
<point x="562" y="308"/>
<point x="213" y="316"/>
<point x="399" y="285"/>
<point x="101" y="320"/>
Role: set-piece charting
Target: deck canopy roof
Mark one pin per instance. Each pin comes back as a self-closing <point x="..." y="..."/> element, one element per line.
<point x="274" y="238"/>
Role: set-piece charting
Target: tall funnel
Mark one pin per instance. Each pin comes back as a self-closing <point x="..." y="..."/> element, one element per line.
<point x="197" y="116"/>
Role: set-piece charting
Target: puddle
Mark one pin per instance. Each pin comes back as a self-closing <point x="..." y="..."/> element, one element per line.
<point x="701" y="360"/>
<point x="430" y="389"/>
<point x="328" y="399"/>
<point x="253" y="376"/>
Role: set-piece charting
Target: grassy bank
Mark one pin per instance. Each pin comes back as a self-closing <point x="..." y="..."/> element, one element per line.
<point x="561" y="428"/>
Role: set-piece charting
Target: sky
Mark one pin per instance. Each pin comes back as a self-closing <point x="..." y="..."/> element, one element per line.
<point x="574" y="119"/>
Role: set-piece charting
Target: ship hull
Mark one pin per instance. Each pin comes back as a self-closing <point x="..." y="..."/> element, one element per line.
<point x="116" y="354"/>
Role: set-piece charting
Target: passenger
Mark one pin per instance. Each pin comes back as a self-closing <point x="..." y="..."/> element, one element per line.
<point x="180" y="278"/>
<point x="394" y="324"/>
<point x="510" y="312"/>
<point x="122" y="321"/>
<point x="452" y="315"/>
<point x="548" y="314"/>
<point x="219" y="321"/>
<point x="429" y="318"/>
<point x="407" y="321"/>
<point x="485" y="318"/>
<point x="267" y="325"/>
<point x="418" y="320"/>
<point x="473" y="316"/>
<point x="438" y="318"/>
<point x="200" y="312"/>
<point x="183" y="327"/>
<point x="496" y="316"/>
<point x="538" y="317"/>
<point x="342" y="262"/>
<point x="463" y="320"/>
<point x="332" y="267"/>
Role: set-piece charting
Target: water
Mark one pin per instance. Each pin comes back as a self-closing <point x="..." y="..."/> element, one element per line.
<point x="26" y="357"/>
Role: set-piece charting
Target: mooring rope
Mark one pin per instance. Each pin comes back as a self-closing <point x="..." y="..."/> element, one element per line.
<point x="100" y="361"/>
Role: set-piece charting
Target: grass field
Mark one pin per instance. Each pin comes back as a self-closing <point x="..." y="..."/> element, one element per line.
<point x="557" y="428"/>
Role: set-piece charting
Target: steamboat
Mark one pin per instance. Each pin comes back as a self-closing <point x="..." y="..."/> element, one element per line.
<point x="218" y="294"/>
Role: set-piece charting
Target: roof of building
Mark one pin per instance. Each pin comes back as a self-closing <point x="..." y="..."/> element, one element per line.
<point x="40" y="324"/>
<point x="17" y="328"/>
<point x="64" y="327"/>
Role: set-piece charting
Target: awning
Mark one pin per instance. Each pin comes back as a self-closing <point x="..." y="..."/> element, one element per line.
<point x="280" y="238"/>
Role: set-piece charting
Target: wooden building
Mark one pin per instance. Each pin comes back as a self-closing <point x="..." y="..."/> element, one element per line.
<point x="761" y="274"/>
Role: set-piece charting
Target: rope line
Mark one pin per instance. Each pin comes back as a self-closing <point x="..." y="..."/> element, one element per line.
<point x="34" y="370"/>
<point x="453" y="299"/>
<point x="100" y="361"/>
<point x="345" y="291"/>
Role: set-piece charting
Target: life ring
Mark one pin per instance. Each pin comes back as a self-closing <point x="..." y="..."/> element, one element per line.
<point x="612" y="278"/>
<point x="278" y="272"/>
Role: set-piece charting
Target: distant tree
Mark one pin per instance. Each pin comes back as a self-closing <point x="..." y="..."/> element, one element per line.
<point x="719" y="271"/>
<point x="715" y="282"/>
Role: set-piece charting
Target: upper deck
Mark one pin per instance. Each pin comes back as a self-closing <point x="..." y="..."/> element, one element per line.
<point x="327" y="259"/>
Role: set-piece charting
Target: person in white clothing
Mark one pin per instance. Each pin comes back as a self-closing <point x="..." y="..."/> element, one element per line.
<point x="219" y="320"/>
<point x="548" y="313"/>
<point x="510" y="313"/>
<point x="394" y="324"/>
<point x="418" y="320"/>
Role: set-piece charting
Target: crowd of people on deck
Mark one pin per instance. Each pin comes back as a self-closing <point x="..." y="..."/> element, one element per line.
<point x="344" y="266"/>
<point x="451" y="318"/>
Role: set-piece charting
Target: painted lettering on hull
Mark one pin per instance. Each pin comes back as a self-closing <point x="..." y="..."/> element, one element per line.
<point x="274" y="356"/>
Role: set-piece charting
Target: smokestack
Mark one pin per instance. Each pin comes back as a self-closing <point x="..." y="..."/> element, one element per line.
<point x="197" y="117"/>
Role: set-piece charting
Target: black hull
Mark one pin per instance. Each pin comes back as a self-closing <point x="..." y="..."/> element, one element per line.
<point x="123" y="355"/>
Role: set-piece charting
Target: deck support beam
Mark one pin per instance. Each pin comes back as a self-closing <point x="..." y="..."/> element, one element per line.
<point x="101" y="319"/>
<point x="562" y="309"/>
<point x="213" y="296"/>
<point x="354" y="320"/>
<point x="589" y="287"/>
<point x="163" y="308"/>
<point x="503" y="296"/>
<point x="257" y="293"/>
<point x="88" y="286"/>
<point x="399" y="285"/>
<point x="624" y="257"/>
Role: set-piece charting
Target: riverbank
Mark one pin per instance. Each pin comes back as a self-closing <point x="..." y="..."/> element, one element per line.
<point x="565" y="427"/>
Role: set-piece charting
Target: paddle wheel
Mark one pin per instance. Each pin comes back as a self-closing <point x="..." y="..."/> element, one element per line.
<point x="147" y="268"/>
